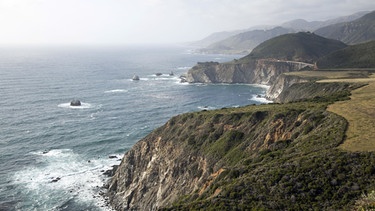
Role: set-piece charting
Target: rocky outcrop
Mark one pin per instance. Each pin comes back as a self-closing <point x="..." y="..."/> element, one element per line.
<point x="317" y="91"/>
<point x="282" y="82"/>
<point x="75" y="102"/>
<point x="261" y="71"/>
<point x="155" y="172"/>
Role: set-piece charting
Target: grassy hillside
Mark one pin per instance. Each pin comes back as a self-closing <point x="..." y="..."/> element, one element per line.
<point x="360" y="114"/>
<point x="356" y="56"/>
<point x="273" y="157"/>
<point x="302" y="46"/>
<point x="353" y="32"/>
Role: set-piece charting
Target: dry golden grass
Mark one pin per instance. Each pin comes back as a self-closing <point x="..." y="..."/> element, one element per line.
<point x="330" y="74"/>
<point x="360" y="113"/>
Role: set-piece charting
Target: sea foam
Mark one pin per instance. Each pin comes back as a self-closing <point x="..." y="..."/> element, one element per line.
<point x="62" y="175"/>
<point x="82" y="106"/>
<point x="116" y="91"/>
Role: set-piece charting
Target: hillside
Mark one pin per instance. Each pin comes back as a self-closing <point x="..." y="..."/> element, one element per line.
<point x="271" y="157"/>
<point x="353" y="32"/>
<point x="302" y="47"/>
<point x="356" y="56"/>
<point x="303" y="25"/>
<point x="215" y="37"/>
<point x="244" y="42"/>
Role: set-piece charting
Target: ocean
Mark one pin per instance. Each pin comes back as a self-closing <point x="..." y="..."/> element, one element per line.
<point x="53" y="155"/>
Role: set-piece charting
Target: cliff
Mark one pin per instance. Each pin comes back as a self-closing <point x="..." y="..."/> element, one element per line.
<point x="261" y="71"/>
<point x="317" y="91"/>
<point x="255" y="157"/>
<point x="282" y="83"/>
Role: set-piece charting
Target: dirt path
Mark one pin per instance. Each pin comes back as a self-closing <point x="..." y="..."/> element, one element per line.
<point x="360" y="113"/>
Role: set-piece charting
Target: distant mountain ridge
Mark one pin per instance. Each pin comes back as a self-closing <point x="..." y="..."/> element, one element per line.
<point x="353" y="32"/>
<point x="303" y="25"/>
<point x="215" y="37"/>
<point x="243" y="41"/>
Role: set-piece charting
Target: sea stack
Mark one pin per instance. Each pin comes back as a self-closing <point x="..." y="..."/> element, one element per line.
<point x="75" y="103"/>
<point x="135" y="78"/>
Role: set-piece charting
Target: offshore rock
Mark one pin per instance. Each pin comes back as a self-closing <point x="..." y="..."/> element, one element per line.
<point x="75" y="103"/>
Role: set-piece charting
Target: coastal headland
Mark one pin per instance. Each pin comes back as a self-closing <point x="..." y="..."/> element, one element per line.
<point x="311" y="149"/>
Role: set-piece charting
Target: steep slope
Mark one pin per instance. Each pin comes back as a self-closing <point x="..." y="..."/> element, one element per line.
<point x="273" y="157"/>
<point x="302" y="46"/>
<point x="246" y="41"/>
<point x="356" y="56"/>
<point x="353" y="32"/>
<point x="316" y="91"/>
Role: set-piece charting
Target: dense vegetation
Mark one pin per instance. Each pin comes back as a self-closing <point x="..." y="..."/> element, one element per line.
<point x="353" y="32"/>
<point x="274" y="157"/>
<point x="356" y="56"/>
<point x="302" y="46"/>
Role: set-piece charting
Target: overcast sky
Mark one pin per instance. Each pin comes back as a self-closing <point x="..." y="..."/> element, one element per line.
<point x="152" y="21"/>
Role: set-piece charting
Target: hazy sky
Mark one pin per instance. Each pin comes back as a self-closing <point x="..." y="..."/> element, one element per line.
<point x="152" y="21"/>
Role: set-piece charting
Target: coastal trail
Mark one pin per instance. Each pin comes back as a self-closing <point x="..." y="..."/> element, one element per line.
<point x="359" y="111"/>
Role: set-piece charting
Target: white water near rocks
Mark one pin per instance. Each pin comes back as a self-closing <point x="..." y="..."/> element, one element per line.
<point x="53" y="155"/>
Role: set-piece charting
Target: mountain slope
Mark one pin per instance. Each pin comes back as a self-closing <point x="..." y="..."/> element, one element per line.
<point x="215" y="37"/>
<point x="302" y="47"/>
<point x="246" y="41"/>
<point x="356" y="56"/>
<point x="243" y="41"/>
<point x="303" y="25"/>
<point x="353" y="32"/>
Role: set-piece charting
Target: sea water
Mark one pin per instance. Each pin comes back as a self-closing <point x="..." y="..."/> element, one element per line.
<point x="53" y="155"/>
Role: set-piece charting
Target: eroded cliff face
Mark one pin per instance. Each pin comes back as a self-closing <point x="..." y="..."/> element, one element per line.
<point x="282" y="83"/>
<point x="154" y="173"/>
<point x="261" y="71"/>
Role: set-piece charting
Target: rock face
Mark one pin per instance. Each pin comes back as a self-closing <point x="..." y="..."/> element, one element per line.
<point x="154" y="173"/>
<point x="280" y="84"/>
<point x="317" y="91"/>
<point x="261" y="71"/>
